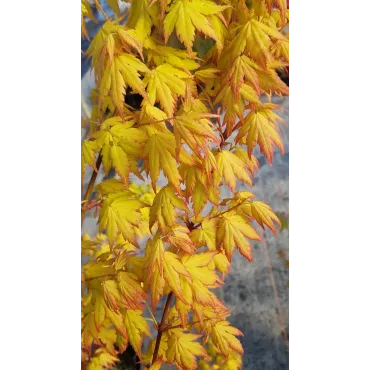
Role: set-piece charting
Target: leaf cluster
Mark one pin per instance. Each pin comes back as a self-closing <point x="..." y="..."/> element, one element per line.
<point x="198" y="121"/>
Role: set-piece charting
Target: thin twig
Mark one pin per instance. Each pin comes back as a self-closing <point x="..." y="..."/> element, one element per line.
<point x="161" y="326"/>
<point x="90" y="188"/>
<point x="151" y="314"/>
<point x="101" y="9"/>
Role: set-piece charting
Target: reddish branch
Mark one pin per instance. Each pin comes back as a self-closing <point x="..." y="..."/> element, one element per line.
<point x="90" y="188"/>
<point x="162" y="327"/>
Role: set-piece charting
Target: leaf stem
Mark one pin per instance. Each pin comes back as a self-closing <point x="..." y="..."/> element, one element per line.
<point x="151" y="314"/>
<point x="90" y="188"/>
<point x="161" y="327"/>
<point x="101" y="9"/>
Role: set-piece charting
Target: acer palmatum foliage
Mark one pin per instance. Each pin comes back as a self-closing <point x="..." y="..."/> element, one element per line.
<point x="199" y="121"/>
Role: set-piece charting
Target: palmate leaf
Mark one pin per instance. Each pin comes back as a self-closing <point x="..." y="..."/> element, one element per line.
<point x="232" y="230"/>
<point x="257" y="210"/>
<point x="164" y="84"/>
<point x="183" y="349"/>
<point x="187" y="16"/>
<point x="120" y="212"/>
<point x="164" y="207"/>
<point x="254" y="39"/>
<point x="230" y="167"/>
<point x="195" y="129"/>
<point x="223" y="336"/>
<point x="235" y="108"/>
<point x="140" y="19"/>
<point x="137" y="329"/>
<point x="243" y="70"/>
<point x="179" y="238"/>
<point x="121" y="145"/>
<point x="261" y="127"/>
<point x="162" y="54"/>
<point x="123" y="71"/>
<point x="159" y="153"/>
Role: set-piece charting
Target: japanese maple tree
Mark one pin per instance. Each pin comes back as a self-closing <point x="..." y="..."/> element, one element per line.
<point x="199" y="118"/>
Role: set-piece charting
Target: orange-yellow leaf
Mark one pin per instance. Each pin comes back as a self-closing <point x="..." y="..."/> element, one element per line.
<point x="164" y="207"/>
<point x="183" y="349"/>
<point x="231" y="231"/>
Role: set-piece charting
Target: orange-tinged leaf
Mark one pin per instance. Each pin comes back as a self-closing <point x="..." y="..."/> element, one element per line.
<point x="120" y="212"/>
<point x="243" y="70"/>
<point x="173" y="268"/>
<point x="183" y="349"/>
<point x="99" y="310"/>
<point x="164" y="84"/>
<point x="153" y="269"/>
<point x="160" y="151"/>
<point x="133" y="295"/>
<point x="112" y="295"/>
<point x="261" y="127"/>
<point x="231" y="231"/>
<point x="195" y="129"/>
<point x="231" y="167"/>
<point x="164" y="207"/>
<point x="223" y="336"/>
<point x="179" y="238"/>
<point x="124" y="70"/>
<point x="188" y="16"/>
<point x="101" y="360"/>
<point x="206" y="235"/>
<point x="117" y="321"/>
<point x="262" y="213"/>
<point x="137" y="328"/>
<point x="271" y="83"/>
<point x="254" y="39"/>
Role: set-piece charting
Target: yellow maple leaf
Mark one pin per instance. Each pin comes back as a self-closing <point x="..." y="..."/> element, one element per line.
<point x="187" y="16"/>
<point x="101" y="360"/>
<point x="164" y="207"/>
<point x="153" y="269"/>
<point x="179" y="238"/>
<point x="235" y="108"/>
<point x="183" y="349"/>
<point x="137" y="328"/>
<point x="121" y="144"/>
<point x="232" y="229"/>
<point x="85" y="12"/>
<point x="271" y="83"/>
<point x="123" y="71"/>
<point x="257" y="210"/>
<point x="164" y="84"/>
<point x="133" y="295"/>
<point x="243" y="70"/>
<point x="120" y="212"/>
<point x="254" y="39"/>
<point x="206" y="235"/>
<point x="140" y="19"/>
<point x="195" y="129"/>
<point x="172" y="270"/>
<point x="160" y="151"/>
<point x="230" y="167"/>
<point x="261" y="127"/>
<point x="223" y="336"/>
